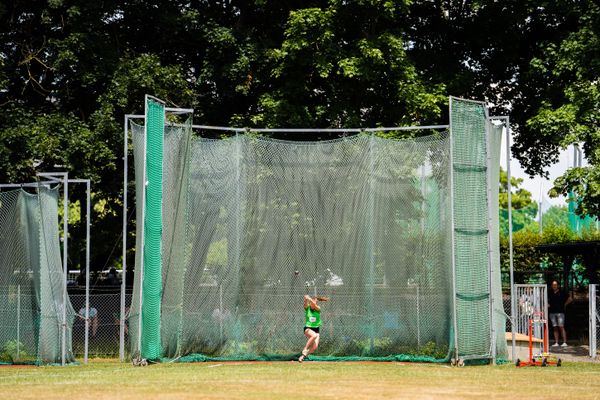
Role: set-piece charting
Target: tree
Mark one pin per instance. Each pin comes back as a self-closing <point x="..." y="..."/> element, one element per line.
<point x="556" y="216"/>
<point x="62" y="67"/>
<point x="69" y="71"/>
<point x="345" y="65"/>
<point x="535" y="61"/>
<point x="524" y="209"/>
<point x="567" y="112"/>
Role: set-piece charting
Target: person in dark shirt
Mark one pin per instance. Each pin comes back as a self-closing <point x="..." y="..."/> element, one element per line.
<point x="557" y="300"/>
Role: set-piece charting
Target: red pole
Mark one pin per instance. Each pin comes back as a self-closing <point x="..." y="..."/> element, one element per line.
<point x="530" y="342"/>
<point x="546" y="336"/>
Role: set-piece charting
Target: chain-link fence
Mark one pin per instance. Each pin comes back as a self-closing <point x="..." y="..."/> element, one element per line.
<point x="507" y="311"/>
<point x="104" y="323"/>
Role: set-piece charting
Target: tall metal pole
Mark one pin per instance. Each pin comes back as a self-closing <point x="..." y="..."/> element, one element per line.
<point x="142" y="240"/>
<point x="124" y="233"/>
<point x="18" y="318"/>
<point x="65" y="271"/>
<point x="422" y="263"/>
<point x="87" y="269"/>
<point x="490" y="206"/>
<point x="576" y="164"/>
<point x="510" y="239"/>
<point x="452" y="236"/>
<point x="541" y="219"/>
<point x="593" y="318"/>
<point x="123" y="316"/>
<point x="541" y="203"/>
<point x="371" y="302"/>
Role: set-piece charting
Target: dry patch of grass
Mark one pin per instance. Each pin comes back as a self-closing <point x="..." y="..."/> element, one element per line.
<point x="103" y="379"/>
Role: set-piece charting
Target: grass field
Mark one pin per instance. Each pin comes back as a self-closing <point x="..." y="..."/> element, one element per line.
<point x="108" y="379"/>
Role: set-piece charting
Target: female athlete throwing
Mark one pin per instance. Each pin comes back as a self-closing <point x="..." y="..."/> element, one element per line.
<point x="312" y="324"/>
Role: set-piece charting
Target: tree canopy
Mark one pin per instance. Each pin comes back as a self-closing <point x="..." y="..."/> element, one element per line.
<point x="71" y="69"/>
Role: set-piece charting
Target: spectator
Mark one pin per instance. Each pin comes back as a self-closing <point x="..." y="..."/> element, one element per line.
<point x="93" y="319"/>
<point x="117" y="321"/>
<point x="557" y="300"/>
<point x="81" y="278"/>
<point x="112" y="278"/>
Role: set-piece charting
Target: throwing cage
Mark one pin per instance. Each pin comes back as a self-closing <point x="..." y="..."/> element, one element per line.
<point x="402" y="235"/>
<point x="35" y="313"/>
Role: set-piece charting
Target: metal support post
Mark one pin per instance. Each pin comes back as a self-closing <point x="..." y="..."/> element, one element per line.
<point x="489" y="196"/>
<point x="122" y="316"/>
<point x="453" y="239"/>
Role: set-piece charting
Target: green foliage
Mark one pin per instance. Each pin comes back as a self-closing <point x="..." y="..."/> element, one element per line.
<point x="568" y="112"/>
<point x="556" y="216"/>
<point x="521" y="198"/>
<point x="529" y="262"/>
<point x="524" y="209"/>
<point x="584" y="183"/>
<point x="69" y="71"/>
<point x="521" y="219"/>
<point x="346" y="65"/>
<point x="14" y="351"/>
<point x="434" y="350"/>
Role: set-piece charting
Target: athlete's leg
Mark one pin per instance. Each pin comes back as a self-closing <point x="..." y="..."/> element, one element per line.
<point x="312" y="336"/>
<point x="314" y="345"/>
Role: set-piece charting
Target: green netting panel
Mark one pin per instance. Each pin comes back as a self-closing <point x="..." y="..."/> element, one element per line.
<point x="468" y="121"/>
<point x="499" y="316"/>
<point x="31" y="280"/>
<point x="363" y="220"/>
<point x="18" y="303"/>
<point x="176" y="157"/>
<point x="175" y="180"/>
<point x="52" y="283"/>
<point x="153" y="231"/>
<point x="138" y="138"/>
<point x="579" y="224"/>
<point x="522" y="218"/>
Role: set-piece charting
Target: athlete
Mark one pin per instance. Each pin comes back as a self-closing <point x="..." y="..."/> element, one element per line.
<point x="312" y="324"/>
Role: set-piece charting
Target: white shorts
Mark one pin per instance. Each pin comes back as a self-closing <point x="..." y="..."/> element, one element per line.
<point x="557" y="319"/>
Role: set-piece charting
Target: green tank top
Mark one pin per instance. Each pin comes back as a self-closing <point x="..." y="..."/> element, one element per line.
<point x="313" y="318"/>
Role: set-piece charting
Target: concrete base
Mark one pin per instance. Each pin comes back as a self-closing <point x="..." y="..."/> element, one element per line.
<point x="522" y="346"/>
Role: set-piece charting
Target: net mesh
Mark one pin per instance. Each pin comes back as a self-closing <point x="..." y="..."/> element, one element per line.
<point x="471" y="230"/>
<point x="31" y="280"/>
<point x="253" y="223"/>
<point x="499" y="316"/>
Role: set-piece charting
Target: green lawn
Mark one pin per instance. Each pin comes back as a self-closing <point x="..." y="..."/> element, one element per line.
<point x="103" y="379"/>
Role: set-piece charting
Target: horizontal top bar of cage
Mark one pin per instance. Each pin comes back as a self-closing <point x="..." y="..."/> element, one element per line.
<point x="179" y="110"/>
<point x="28" y="184"/>
<point x="78" y="180"/>
<point x="300" y="130"/>
<point x="156" y="99"/>
<point x="55" y="177"/>
<point x="468" y="100"/>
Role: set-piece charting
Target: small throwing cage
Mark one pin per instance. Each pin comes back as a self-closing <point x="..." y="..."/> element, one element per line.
<point x="36" y="316"/>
